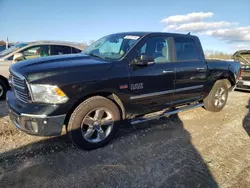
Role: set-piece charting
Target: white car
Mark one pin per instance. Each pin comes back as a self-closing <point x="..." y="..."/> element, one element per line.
<point x="23" y="51"/>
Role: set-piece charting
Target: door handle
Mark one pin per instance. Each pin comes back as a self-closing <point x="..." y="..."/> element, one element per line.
<point x="167" y="72"/>
<point x="200" y="69"/>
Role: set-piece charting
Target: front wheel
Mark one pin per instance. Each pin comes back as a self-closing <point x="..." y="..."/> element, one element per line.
<point x="217" y="98"/>
<point x="3" y="89"/>
<point x="94" y="123"/>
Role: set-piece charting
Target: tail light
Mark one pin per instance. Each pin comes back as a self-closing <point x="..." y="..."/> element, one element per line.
<point x="239" y="75"/>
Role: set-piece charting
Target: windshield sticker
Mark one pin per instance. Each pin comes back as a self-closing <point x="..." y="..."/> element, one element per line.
<point x="131" y="37"/>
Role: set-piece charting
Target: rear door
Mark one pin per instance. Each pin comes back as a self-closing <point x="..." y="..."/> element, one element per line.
<point x="190" y="68"/>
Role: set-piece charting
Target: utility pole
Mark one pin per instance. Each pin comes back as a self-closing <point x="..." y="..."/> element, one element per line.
<point x="7" y="43"/>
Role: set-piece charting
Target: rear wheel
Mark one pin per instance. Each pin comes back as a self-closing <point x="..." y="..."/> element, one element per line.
<point x="94" y="123"/>
<point x="217" y="98"/>
<point x="3" y="89"/>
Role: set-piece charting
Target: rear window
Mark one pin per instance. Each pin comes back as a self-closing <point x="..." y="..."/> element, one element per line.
<point x="60" y="50"/>
<point x="185" y="49"/>
<point x="75" y="50"/>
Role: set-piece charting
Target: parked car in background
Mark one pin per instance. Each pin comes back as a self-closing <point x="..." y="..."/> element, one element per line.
<point x="31" y="50"/>
<point x="243" y="56"/>
<point x="3" y="47"/>
<point x="121" y="77"/>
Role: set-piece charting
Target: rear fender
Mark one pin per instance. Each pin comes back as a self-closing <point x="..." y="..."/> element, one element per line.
<point x="228" y="75"/>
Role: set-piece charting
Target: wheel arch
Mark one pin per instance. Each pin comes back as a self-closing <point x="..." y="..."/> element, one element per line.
<point x="112" y="96"/>
<point x="5" y="80"/>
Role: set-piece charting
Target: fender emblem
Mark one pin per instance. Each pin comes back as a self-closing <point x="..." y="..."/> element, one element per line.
<point x="136" y="86"/>
<point x="124" y="86"/>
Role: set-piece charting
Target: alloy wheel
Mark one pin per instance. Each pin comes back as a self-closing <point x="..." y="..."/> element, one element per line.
<point x="97" y="125"/>
<point x="220" y="97"/>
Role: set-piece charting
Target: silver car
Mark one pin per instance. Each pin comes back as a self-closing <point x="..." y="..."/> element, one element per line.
<point x="23" y="51"/>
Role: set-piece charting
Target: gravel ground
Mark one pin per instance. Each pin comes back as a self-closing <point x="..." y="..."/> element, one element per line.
<point x="193" y="149"/>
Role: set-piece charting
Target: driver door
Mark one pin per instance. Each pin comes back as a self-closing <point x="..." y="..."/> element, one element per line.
<point x="152" y="86"/>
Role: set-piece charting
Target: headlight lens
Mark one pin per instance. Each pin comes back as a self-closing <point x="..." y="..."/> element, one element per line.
<point x="47" y="94"/>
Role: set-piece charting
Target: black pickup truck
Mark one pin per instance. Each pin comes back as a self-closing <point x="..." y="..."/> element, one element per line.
<point x="121" y="77"/>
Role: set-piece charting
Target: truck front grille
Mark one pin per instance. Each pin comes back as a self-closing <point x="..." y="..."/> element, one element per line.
<point x="20" y="88"/>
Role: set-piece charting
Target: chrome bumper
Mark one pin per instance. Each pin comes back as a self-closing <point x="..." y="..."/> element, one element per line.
<point x="34" y="125"/>
<point x="243" y="85"/>
<point x="40" y="125"/>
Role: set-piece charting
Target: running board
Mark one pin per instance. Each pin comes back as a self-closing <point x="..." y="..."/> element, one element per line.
<point x="165" y="113"/>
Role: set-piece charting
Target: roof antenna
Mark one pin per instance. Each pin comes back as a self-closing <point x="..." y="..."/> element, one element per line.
<point x="188" y="33"/>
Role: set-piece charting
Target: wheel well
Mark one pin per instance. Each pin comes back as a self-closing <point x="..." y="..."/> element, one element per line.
<point x="5" y="80"/>
<point x="228" y="82"/>
<point x="108" y="95"/>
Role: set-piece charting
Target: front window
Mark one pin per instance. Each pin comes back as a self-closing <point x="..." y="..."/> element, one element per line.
<point x="12" y="49"/>
<point x="36" y="51"/>
<point x="157" y="48"/>
<point x="112" y="46"/>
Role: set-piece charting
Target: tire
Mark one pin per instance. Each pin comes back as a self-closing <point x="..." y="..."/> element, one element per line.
<point x="85" y="127"/>
<point x="3" y="89"/>
<point x="217" y="98"/>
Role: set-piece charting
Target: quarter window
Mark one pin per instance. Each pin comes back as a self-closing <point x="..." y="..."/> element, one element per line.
<point x="185" y="49"/>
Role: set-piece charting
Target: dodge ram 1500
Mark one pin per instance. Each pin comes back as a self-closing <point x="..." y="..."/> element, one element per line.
<point x="119" y="78"/>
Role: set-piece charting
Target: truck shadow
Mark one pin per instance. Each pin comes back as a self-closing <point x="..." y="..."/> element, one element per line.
<point x="246" y="121"/>
<point x="154" y="154"/>
<point x="3" y="109"/>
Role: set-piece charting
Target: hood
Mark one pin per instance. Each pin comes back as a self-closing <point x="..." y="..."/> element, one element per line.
<point x="43" y="67"/>
<point x="243" y="56"/>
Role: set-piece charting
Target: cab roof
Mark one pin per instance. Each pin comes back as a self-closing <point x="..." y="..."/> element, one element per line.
<point x="144" y="33"/>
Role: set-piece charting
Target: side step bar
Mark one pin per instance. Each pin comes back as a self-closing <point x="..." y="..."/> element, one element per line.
<point x="165" y="113"/>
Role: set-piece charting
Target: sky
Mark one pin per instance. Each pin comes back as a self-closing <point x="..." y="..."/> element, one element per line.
<point x="221" y="25"/>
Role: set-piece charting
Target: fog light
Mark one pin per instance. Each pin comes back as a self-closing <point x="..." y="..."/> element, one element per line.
<point x="31" y="125"/>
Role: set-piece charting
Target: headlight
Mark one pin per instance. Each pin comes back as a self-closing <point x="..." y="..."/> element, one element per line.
<point x="47" y="94"/>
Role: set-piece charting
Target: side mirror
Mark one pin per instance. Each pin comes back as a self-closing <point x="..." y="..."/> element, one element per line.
<point x="18" y="57"/>
<point x="145" y="60"/>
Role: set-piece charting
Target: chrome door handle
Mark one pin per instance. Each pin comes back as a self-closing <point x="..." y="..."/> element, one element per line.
<point x="200" y="68"/>
<point x="167" y="72"/>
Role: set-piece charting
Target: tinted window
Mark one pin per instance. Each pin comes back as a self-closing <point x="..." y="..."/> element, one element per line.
<point x="156" y="47"/>
<point x="185" y="49"/>
<point x="75" y="50"/>
<point x="60" y="50"/>
<point x="2" y="48"/>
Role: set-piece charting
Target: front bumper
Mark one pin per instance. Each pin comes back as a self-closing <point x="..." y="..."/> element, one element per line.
<point x="34" y="123"/>
<point x="243" y="85"/>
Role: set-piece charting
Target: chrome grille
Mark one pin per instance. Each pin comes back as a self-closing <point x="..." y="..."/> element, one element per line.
<point x="20" y="88"/>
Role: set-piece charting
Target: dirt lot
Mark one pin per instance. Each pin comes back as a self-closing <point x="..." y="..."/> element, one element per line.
<point x="194" y="149"/>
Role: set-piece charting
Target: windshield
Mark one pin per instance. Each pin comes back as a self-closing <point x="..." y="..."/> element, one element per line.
<point x="112" y="46"/>
<point x="12" y="49"/>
